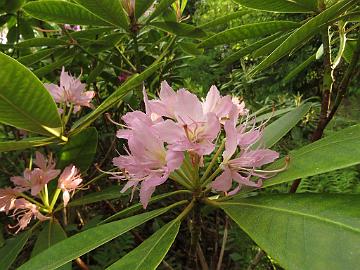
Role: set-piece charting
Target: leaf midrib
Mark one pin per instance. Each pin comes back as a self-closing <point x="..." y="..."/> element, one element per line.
<point x="295" y="213"/>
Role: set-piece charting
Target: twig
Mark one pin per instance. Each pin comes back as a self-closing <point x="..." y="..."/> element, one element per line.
<point x="221" y="256"/>
<point x="256" y="260"/>
<point x="200" y="254"/>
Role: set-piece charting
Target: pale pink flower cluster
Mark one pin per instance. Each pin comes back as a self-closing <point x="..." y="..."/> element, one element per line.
<point x="35" y="181"/>
<point x="179" y="122"/>
<point x="70" y="92"/>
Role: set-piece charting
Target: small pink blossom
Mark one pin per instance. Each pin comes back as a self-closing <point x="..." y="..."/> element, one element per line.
<point x="71" y="91"/>
<point x="24" y="212"/>
<point x="72" y="27"/>
<point x="68" y="181"/>
<point x="7" y="199"/>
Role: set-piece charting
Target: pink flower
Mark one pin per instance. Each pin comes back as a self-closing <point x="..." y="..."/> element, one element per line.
<point x="148" y="162"/>
<point x="24" y="212"/>
<point x="243" y="167"/>
<point x="70" y="91"/>
<point x="7" y="199"/>
<point x="68" y="181"/>
<point x="72" y="27"/>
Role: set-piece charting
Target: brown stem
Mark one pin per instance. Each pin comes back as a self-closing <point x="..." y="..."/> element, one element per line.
<point x="82" y="265"/>
<point x="256" y="260"/>
<point x="222" y="251"/>
<point x="195" y="234"/>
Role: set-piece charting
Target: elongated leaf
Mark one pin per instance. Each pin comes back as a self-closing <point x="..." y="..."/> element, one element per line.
<point x="51" y="234"/>
<point x="191" y="48"/>
<point x="36" y="57"/>
<point x="62" y="61"/>
<point x="39" y="42"/>
<point x="160" y="8"/>
<point x="141" y="6"/>
<point x="62" y="12"/>
<point x="284" y="6"/>
<point x="106" y="194"/>
<point x="151" y="252"/>
<point x="117" y="96"/>
<point x="223" y="20"/>
<point x="12" y="248"/>
<point x="80" y="149"/>
<point x="337" y="151"/>
<point x="26" y="143"/>
<point x="81" y="243"/>
<point x="180" y="29"/>
<point x="269" y="47"/>
<point x="279" y="128"/>
<point x="248" y="31"/>
<point x="236" y="56"/>
<point x="110" y="11"/>
<point x="303" y="33"/>
<point x="302" y="231"/>
<point x="296" y="71"/>
<point x="24" y="102"/>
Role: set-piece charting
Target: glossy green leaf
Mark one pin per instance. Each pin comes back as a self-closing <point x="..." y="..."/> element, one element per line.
<point x="6" y="146"/>
<point x="36" y="57"/>
<point x="81" y="243"/>
<point x="24" y="102"/>
<point x="303" y="33"/>
<point x="270" y="46"/>
<point x="117" y="96"/>
<point x="106" y="194"/>
<point x="280" y="127"/>
<point x="248" y="31"/>
<point x="12" y="248"/>
<point x="160" y="8"/>
<point x="110" y="11"/>
<point x="151" y="252"/>
<point x="180" y="29"/>
<point x="80" y="149"/>
<point x="51" y="234"/>
<point x="62" y="12"/>
<point x="223" y="20"/>
<point x="340" y="150"/>
<point x="39" y="42"/>
<point x="141" y="6"/>
<point x="302" y="231"/>
<point x="285" y="6"/>
<point x="296" y="71"/>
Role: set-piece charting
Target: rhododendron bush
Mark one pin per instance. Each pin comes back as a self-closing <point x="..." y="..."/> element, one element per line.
<point x="104" y="140"/>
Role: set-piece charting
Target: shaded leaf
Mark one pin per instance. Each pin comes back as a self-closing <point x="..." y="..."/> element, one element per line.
<point x="285" y="6"/>
<point x="296" y="71"/>
<point x="223" y="20"/>
<point x="39" y="42"/>
<point x="180" y="29"/>
<point x="6" y="146"/>
<point x="36" y="57"/>
<point x="141" y="6"/>
<point x="106" y="194"/>
<point x="160" y="8"/>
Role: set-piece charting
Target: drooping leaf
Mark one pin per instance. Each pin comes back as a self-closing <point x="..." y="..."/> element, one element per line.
<point x="223" y="20"/>
<point x="337" y="151"/>
<point x="285" y="6"/>
<point x="279" y="128"/>
<point x="110" y="11"/>
<point x="106" y="194"/>
<point x="51" y="234"/>
<point x="160" y="8"/>
<point x="6" y="146"/>
<point x="117" y="96"/>
<point x="248" y="31"/>
<point x="270" y="46"/>
<point x="36" y="57"/>
<point x="296" y="71"/>
<point x="191" y="48"/>
<point x="349" y="50"/>
<point x="79" y="150"/>
<point x="12" y="248"/>
<point x="141" y="6"/>
<point x="24" y="102"/>
<point x="62" y="12"/>
<point x="81" y="243"/>
<point x="39" y="42"/>
<point x="302" y="231"/>
<point x="60" y="62"/>
<point x="180" y="29"/>
<point x="151" y="252"/>
<point x="303" y="33"/>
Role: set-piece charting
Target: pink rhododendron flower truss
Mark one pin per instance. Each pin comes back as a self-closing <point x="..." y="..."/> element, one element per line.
<point x="68" y="181"/>
<point x="176" y="131"/>
<point x="70" y="92"/>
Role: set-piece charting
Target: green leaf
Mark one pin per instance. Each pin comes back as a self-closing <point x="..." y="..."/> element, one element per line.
<point x="279" y="128"/>
<point x="106" y="194"/>
<point x="62" y="12"/>
<point x="160" y="8"/>
<point x="110" y="11"/>
<point x="116" y="97"/>
<point x="296" y="71"/>
<point x="37" y="56"/>
<point x="270" y="46"/>
<point x="151" y="252"/>
<point x="39" y="42"/>
<point x="80" y="149"/>
<point x="25" y="103"/>
<point x="303" y="33"/>
<point x="340" y="150"/>
<point x="223" y="20"/>
<point x="141" y="6"/>
<point x="81" y="243"/>
<point x="191" y="48"/>
<point x="349" y="50"/>
<point x="6" y="146"/>
<point x="248" y="31"/>
<point x="51" y="234"/>
<point x="236" y="56"/>
<point x="302" y="231"/>
<point x="285" y="6"/>
<point x="62" y="61"/>
<point x="12" y="248"/>
<point x="180" y="29"/>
